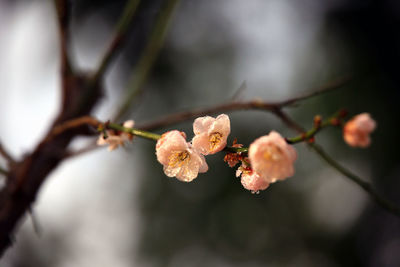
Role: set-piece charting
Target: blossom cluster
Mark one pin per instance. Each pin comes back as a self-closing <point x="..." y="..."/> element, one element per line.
<point x="270" y="158"/>
<point x="184" y="160"/>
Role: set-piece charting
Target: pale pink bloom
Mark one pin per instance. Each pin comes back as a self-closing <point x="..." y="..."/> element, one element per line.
<point x="272" y="157"/>
<point x="356" y="131"/>
<point x="251" y="180"/>
<point x="211" y="133"/>
<point x="177" y="156"/>
<point x="113" y="140"/>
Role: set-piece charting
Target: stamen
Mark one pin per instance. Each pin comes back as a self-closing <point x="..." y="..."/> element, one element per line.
<point x="215" y="139"/>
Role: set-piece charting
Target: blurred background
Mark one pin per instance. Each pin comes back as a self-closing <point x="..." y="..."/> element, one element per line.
<point x="119" y="209"/>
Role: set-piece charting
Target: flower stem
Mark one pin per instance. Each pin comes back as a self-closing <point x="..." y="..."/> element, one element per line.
<point x="137" y="132"/>
<point x="317" y="127"/>
<point x="300" y="138"/>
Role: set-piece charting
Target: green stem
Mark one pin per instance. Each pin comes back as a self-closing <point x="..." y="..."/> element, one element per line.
<point x="311" y="133"/>
<point x="297" y="139"/>
<point x="137" y="132"/>
<point x="384" y="203"/>
<point x="148" y="57"/>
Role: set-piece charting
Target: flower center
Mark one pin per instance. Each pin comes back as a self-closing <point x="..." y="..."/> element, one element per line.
<point x="178" y="158"/>
<point x="273" y="153"/>
<point x="215" y="139"/>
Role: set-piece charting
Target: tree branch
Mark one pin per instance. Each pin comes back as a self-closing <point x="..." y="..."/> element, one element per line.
<point x="119" y="35"/>
<point x="63" y="18"/>
<point x="333" y="85"/>
<point x="274" y="107"/>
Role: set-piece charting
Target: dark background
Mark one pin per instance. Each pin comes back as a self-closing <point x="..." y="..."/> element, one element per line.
<point x="316" y="218"/>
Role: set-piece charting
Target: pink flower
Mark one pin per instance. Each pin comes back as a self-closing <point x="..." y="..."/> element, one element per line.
<point x="211" y="133"/>
<point x="272" y="157"/>
<point x="114" y="139"/>
<point x="251" y="180"/>
<point x="177" y="156"/>
<point x="356" y="131"/>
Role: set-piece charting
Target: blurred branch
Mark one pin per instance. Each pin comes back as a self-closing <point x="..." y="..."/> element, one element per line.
<point x="63" y="17"/>
<point x="148" y="57"/>
<point x="381" y="201"/>
<point x="236" y="95"/>
<point x="92" y="87"/>
<point x="26" y="176"/>
<point x="119" y="35"/>
<point x="72" y="124"/>
<point x="333" y="85"/>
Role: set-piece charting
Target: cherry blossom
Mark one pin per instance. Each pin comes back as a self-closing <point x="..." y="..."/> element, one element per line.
<point x="211" y="133"/>
<point x="357" y="130"/>
<point x="272" y="158"/>
<point x="114" y="139"/>
<point x="180" y="160"/>
<point x="251" y="180"/>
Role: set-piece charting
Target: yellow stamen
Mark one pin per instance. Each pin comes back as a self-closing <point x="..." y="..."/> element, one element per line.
<point x="178" y="158"/>
<point x="215" y="139"/>
<point x="273" y="153"/>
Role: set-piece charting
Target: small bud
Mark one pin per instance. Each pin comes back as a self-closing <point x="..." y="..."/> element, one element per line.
<point x="311" y="140"/>
<point x="335" y="122"/>
<point x="317" y="121"/>
<point x="343" y="113"/>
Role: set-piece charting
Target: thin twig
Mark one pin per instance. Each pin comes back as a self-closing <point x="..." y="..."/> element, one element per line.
<point x="186" y="115"/>
<point x="236" y="95"/>
<point x="381" y="201"/>
<point x="6" y="155"/>
<point x="74" y="123"/>
<point x="148" y="57"/>
<point x="63" y="17"/>
<point x="119" y="35"/>
<point x="333" y="85"/>
<point x="274" y="107"/>
<point x="81" y="151"/>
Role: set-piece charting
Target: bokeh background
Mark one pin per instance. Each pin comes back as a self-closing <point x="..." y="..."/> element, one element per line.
<point x="119" y="209"/>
